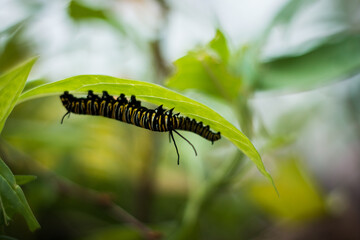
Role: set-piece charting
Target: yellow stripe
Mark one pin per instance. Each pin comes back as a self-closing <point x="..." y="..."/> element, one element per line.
<point x="120" y="112"/>
<point x="138" y="117"/>
<point x="149" y="120"/>
<point x="88" y="107"/>
<point x="166" y="123"/>
<point x="77" y="107"/>
<point x="142" y="122"/>
<point x="159" y="122"/>
<point x="102" y="107"/>
<point x="114" y="109"/>
<point x="152" y="120"/>
<point x="108" y="108"/>
<point x="96" y="106"/>
<point x="83" y="109"/>
<point x="132" y="119"/>
<point x="123" y="113"/>
<point x="130" y="111"/>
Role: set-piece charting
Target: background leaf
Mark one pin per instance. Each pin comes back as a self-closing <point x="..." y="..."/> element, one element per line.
<point x="11" y="85"/>
<point x="322" y="65"/>
<point x="154" y="94"/>
<point x="206" y="70"/>
<point x="78" y="11"/>
<point x="14" y="49"/>
<point x="287" y="12"/>
<point x="219" y="45"/>
<point x="13" y="197"/>
<point x="23" y="179"/>
<point x="300" y="198"/>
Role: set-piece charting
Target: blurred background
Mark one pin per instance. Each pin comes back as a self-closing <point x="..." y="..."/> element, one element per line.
<point x="286" y="72"/>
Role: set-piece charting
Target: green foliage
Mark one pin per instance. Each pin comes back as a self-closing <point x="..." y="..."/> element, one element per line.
<point x="78" y="12"/>
<point x="300" y="199"/>
<point x="13" y="48"/>
<point x="34" y="83"/>
<point x="13" y="199"/>
<point x="24" y="179"/>
<point x="214" y="70"/>
<point x="154" y="94"/>
<point x="207" y="70"/>
<point x="287" y="12"/>
<point x="326" y="63"/>
<point x="313" y="63"/>
<point x="11" y="85"/>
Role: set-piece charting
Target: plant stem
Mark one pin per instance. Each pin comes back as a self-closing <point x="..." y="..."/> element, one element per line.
<point x="203" y="195"/>
<point x="219" y="180"/>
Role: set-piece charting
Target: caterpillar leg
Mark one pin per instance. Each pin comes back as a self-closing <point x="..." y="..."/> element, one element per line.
<point x="62" y="119"/>
<point x="177" y="151"/>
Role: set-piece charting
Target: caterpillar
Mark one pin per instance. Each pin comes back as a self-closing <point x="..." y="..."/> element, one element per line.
<point x="158" y="119"/>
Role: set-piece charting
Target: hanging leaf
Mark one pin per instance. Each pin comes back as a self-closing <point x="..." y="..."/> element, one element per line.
<point x="154" y="94"/>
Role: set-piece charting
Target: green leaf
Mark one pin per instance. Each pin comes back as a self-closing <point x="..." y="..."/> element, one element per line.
<point x="81" y="12"/>
<point x="11" y="85"/>
<point x="219" y="45"/>
<point x="4" y="218"/>
<point x="206" y="70"/>
<point x="288" y="11"/>
<point x="322" y="65"/>
<point x="154" y="94"/>
<point x="13" y="197"/>
<point x="78" y="11"/>
<point x="23" y="179"/>
<point x="6" y="173"/>
<point x="14" y="48"/>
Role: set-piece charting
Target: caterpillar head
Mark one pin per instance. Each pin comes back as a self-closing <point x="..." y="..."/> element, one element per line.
<point x="66" y="100"/>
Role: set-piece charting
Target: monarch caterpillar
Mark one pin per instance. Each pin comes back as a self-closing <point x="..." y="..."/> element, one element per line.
<point x="158" y="119"/>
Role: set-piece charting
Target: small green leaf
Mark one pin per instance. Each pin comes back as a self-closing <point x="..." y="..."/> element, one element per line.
<point x="11" y="85"/>
<point x="78" y="11"/>
<point x="81" y="12"/>
<point x="23" y="179"/>
<point x="219" y="45"/>
<point x="206" y="70"/>
<point x="13" y="197"/>
<point x="6" y="173"/>
<point x="154" y="94"/>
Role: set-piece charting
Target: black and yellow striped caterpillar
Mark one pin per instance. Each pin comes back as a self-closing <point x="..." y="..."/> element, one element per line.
<point x="158" y="119"/>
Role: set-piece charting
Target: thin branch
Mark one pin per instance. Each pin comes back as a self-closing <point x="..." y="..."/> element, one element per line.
<point x="71" y="189"/>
